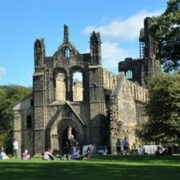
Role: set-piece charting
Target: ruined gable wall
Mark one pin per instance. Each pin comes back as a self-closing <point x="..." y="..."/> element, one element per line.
<point x="127" y="110"/>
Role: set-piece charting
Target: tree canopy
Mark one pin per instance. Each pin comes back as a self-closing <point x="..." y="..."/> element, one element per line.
<point x="166" y="30"/>
<point x="163" y="109"/>
<point x="8" y="96"/>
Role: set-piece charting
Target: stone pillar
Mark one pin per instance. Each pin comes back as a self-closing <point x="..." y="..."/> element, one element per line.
<point x="69" y="131"/>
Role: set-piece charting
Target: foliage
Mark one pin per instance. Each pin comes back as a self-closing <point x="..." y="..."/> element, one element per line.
<point x="163" y="109"/>
<point x="166" y="30"/>
<point x="8" y="96"/>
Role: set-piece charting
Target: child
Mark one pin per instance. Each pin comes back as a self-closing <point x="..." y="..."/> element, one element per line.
<point x="25" y="155"/>
<point x="75" y="153"/>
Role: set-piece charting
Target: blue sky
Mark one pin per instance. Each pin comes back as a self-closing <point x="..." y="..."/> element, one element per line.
<point x="22" y="21"/>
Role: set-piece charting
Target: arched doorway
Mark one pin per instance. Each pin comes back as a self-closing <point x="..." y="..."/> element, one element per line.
<point x="66" y="135"/>
<point x="65" y="129"/>
<point x="59" y="130"/>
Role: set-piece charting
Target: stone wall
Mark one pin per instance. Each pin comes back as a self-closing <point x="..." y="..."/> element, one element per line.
<point x="127" y="110"/>
<point x="77" y="91"/>
<point x="109" y="80"/>
<point x="22" y="132"/>
<point x="138" y="92"/>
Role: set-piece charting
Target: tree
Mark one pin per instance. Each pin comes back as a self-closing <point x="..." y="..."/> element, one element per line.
<point x="8" y="96"/>
<point x="166" y="30"/>
<point x="163" y="109"/>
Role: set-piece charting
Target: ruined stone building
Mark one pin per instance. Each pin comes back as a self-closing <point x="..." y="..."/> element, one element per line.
<point x="97" y="108"/>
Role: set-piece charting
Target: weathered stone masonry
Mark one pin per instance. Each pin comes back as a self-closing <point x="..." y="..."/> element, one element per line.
<point x="97" y="109"/>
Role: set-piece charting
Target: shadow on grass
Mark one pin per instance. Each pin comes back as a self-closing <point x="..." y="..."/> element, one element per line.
<point x="85" y="170"/>
<point x="136" y="158"/>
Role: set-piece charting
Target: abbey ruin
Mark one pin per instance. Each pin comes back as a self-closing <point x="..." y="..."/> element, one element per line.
<point x="98" y="108"/>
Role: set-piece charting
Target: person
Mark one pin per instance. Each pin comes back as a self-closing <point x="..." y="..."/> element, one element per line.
<point x="141" y="150"/>
<point x="125" y="146"/>
<point x="134" y="151"/>
<point x="66" y="152"/>
<point x="118" y="146"/>
<point x="72" y="142"/>
<point x="169" y="150"/>
<point x="63" y="157"/>
<point x="75" y="153"/>
<point x="160" y="151"/>
<point x="25" y="155"/>
<point x="48" y="155"/>
<point x="88" y="152"/>
<point x="3" y="154"/>
<point x="15" y="148"/>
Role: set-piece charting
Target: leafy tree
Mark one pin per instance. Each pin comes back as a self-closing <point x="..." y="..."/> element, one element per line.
<point x="163" y="110"/>
<point x="166" y="30"/>
<point x="8" y="96"/>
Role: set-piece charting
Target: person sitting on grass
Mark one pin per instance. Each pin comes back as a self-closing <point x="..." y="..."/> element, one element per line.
<point x="141" y="151"/>
<point x="25" y="155"/>
<point x="88" y="152"/>
<point x="3" y="154"/>
<point x="48" y="155"/>
<point x="75" y="153"/>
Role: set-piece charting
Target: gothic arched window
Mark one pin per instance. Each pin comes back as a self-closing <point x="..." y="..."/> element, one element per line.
<point x="77" y="86"/>
<point x="60" y="87"/>
<point x="67" y="53"/>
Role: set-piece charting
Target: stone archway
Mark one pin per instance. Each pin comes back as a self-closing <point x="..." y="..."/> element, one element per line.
<point x="59" y="132"/>
<point x="66" y="128"/>
<point x="66" y="135"/>
<point x="65" y="117"/>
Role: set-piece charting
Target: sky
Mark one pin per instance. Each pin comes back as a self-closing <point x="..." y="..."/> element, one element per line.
<point x="23" y="21"/>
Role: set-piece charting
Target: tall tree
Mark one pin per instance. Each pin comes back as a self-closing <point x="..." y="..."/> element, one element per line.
<point x="163" y="109"/>
<point x="166" y="30"/>
<point x="8" y="96"/>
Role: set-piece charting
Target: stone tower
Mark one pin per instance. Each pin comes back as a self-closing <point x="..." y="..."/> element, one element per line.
<point x="138" y="70"/>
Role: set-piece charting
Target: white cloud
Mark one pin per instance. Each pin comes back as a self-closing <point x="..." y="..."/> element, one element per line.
<point x="77" y="76"/>
<point x="112" y="54"/>
<point x="126" y="30"/>
<point x="117" y="31"/>
<point x="3" y="72"/>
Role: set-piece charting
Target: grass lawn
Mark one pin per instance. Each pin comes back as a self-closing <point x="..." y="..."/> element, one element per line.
<point x="98" y="168"/>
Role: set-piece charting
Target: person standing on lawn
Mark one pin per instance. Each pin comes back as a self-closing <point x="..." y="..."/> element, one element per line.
<point x="125" y="146"/>
<point x="15" y="148"/>
<point x="118" y="147"/>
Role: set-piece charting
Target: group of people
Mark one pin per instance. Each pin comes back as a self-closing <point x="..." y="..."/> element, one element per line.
<point x="124" y="144"/>
<point x="72" y="151"/>
<point x="24" y="156"/>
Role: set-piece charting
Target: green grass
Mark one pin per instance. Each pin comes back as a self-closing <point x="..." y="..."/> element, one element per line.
<point x="98" y="168"/>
